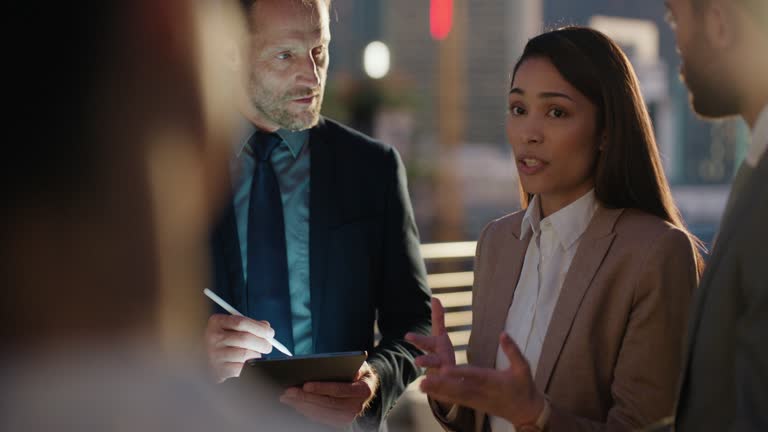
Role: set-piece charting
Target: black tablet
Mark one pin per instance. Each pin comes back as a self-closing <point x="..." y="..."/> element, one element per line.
<point x="296" y="370"/>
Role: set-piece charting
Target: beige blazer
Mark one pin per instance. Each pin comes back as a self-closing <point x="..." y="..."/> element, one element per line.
<point x="613" y="350"/>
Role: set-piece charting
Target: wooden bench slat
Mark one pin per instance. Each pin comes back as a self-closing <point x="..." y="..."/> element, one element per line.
<point x="450" y="280"/>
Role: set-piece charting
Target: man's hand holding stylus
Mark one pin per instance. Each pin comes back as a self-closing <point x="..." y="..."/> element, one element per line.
<point x="232" y="340"/>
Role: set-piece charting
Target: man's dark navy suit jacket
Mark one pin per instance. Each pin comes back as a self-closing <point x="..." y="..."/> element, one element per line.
<point x="365" y="263"/>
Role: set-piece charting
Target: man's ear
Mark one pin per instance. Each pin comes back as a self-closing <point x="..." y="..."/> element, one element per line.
<point x="721" y="24"/>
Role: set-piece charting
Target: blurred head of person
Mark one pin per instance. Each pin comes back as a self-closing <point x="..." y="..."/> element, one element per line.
<point x="283" y="62"/>
<point x="117" y="150"/>
<point x="722" y="44"/>
<point x="577" y="121"/>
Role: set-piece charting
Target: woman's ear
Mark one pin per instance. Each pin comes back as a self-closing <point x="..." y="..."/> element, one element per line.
<point x="602" y="143"/>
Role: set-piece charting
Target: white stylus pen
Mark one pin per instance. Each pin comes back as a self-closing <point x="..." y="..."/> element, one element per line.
<point x="219" y="301"/>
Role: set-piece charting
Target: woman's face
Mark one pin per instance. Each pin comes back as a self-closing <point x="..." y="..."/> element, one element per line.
<point x="552" y="129"/>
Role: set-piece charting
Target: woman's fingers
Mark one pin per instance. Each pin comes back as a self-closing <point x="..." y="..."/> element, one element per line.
<point x="429" y="361"/>
<point x="438" y="318"/>
<point x="422" y="342"/>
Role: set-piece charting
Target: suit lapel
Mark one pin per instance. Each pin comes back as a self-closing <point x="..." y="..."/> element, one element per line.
<point x="320" y="202"/>
<point x="506" y="273"/>
<point x="589" y="256"/>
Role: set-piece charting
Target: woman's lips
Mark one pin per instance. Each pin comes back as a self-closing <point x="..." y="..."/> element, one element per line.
<point x="531" y="166"/>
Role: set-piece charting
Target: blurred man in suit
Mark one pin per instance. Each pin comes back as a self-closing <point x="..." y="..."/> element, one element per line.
<point x="318" y="241"/>
<point x="724" y="387"/>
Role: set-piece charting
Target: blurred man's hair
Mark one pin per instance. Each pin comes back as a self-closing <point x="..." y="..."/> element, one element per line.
<point x="58" y="52"/>
<point x="91" y="86"/>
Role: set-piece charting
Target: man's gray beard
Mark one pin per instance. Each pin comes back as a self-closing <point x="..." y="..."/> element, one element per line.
<point x="289" y="121"/>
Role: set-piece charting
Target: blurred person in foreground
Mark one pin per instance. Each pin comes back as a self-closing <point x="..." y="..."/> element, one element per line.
<point x="318" y="239"/>
<point x="723" y="46"/>
<point x="580" y="301"/>
<point x="116" y="152"/>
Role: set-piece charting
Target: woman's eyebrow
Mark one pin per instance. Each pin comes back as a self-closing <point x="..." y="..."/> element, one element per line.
<point x="542" y="95"/>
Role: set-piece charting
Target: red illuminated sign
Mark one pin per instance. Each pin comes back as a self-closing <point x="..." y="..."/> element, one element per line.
<point x="440" y="18"/>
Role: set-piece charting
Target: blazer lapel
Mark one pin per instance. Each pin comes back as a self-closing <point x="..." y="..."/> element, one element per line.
<point x="592" y="249"/>
<point x="321" y="172"/>
<point x="506" y="273"/>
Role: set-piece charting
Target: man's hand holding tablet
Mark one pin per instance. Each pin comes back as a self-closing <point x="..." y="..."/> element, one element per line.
<point x="336" y="404"/>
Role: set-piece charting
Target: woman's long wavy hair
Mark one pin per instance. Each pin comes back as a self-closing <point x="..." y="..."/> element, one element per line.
<point x="628" y="171"/>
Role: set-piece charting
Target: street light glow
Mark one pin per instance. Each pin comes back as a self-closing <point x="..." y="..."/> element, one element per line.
<point x="376" y="59"/>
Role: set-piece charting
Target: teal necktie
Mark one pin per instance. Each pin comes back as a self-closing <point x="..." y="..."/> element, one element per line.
<point x="268" y="290"/>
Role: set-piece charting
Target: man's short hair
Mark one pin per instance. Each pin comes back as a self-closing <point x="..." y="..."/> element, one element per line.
<point x="248" y="4"/>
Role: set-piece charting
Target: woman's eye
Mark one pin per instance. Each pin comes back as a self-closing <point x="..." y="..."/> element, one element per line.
<point x="516" y="110"/>
<point x="556" y="113"/>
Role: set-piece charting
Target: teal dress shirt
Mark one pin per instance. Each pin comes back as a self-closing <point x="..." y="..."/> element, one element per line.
<point x="290" y="161"/>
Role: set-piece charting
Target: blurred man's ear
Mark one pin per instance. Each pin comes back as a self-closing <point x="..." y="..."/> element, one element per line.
<point x="721" y="24"/>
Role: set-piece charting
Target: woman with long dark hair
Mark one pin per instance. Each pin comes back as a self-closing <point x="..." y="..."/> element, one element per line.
<point x="580" y="301"/>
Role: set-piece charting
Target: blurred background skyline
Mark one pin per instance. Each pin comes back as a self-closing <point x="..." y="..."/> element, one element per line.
<point x="442" y="72"/>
